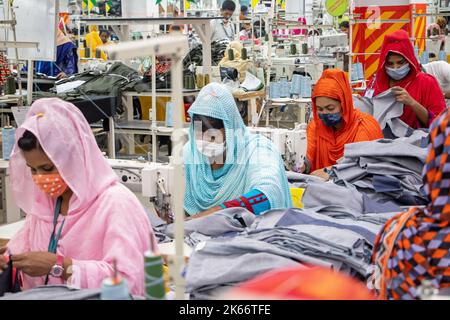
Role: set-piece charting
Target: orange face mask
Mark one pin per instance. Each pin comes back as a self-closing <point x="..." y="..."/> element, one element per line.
<point x="52" y="184"/>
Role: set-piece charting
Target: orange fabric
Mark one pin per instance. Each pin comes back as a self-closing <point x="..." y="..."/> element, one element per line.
<point x="302" y="284"/>
<point x="326" y="146"/>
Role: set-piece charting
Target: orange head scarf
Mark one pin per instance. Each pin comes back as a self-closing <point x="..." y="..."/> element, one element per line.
<point x="327" y="145"/>
<point x="300" y="283"/>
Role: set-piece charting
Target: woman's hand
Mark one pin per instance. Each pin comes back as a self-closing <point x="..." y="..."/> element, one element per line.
<point x="401" y="95"/>
<point x="34" y="264"/>
<point x="205" y="213"/>
<point x="3" y="264"/>
<point x="321" y="174"/>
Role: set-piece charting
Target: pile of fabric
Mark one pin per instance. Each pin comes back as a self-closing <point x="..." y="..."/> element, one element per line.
<point x="233" y="245"/>
<point x="387" y="171"/>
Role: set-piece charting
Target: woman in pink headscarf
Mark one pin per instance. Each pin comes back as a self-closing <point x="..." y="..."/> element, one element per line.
<point x="79" y="217"/>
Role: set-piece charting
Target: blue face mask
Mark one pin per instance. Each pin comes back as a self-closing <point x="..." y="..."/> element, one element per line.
<point x="400" y="73"/>
<point x="331" y="119"/>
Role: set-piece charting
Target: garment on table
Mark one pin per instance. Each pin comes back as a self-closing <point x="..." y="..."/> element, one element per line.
<point x="98" y="226"/>
<point x="326" y="146"/>
<point x="254" y="201"/>
<point x="55" y="292"/>
<point x="66" y="58"/>
<point x="220" y="31"/>
<point x="422" y="87"/>
<point x="414" y="247"/>
<point x="441" y="71"/>
<point x="251" y="161"/>
<point x="386" y="171"/>
<point x="217" y="224"/>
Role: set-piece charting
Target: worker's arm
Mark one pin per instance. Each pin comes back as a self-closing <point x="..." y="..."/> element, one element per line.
<point x="38" y="264"/>
<point x="401" y="95"/>
<point x="447" y="95"/>
<point x="254" y="201"/>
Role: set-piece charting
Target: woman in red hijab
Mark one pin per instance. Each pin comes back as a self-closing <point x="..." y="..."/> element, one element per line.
<point x="336" y="122"/>
<point x="400" y="71"/>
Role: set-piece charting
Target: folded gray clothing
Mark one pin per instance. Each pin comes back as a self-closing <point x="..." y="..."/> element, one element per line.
<point x="210" y="292"/>
<point x="386" y="183"/>
<point x="217" y="262"/>
<point x="223" y="221"/>
<point x="54" y="292"/>
<point x="385" y="148"/>
<point x="324" y="243"/>
<point x="328" y="193"/>
<point x="300" y="177"/>
<point x="268" y="220"/>
<point x="195" y="238"/>
<point x="371" y="206"/>
<point x="309" y="217"/>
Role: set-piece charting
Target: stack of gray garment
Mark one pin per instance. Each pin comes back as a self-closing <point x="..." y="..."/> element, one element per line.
<point x="385" y="170"/>
<point x="337" y="201"/>
<point x="387" y="111"/>
<point x="282" y="238"/>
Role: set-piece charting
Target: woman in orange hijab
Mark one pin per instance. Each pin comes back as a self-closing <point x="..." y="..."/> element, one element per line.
<point x="336" y="122"/>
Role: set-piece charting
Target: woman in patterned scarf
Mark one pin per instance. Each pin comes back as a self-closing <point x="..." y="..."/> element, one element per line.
<point x="414" y="246"/>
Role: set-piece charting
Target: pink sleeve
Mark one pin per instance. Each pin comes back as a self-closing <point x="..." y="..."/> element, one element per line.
<point x="127" y="237"/>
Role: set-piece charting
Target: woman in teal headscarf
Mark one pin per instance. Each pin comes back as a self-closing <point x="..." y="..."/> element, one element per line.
<point x="227" y="166"/>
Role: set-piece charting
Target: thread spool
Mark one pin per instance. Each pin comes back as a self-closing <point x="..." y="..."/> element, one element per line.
<point x="304" y="48"/>
<point x="424" y="58"/>
<point x="416" y="52"/>
<point x="296" y="86"/>
<point x="98" y="53"/>
<point x="154" y="277"/>
<point x="114" y="291"/>
<point x="230" y="54"/>
<point x="293" y="49"/>
<point x="10" y="85"/>
<point x="8" y="139"/>
<point x="360" y="71"/>
<point x="244" y="54"/>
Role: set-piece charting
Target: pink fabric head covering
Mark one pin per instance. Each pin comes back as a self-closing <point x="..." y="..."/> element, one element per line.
<point x="105" y="220"/>
<point x="67" y="139"/>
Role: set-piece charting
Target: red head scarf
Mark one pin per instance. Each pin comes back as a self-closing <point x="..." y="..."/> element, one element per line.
<point x="422" y="87"/>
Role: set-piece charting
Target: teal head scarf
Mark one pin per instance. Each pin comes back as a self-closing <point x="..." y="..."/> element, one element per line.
<point x="251" y="161"/>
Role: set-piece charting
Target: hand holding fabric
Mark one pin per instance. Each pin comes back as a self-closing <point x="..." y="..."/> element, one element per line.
<point x="34" y="264"/>
<point x="401" y="95"/>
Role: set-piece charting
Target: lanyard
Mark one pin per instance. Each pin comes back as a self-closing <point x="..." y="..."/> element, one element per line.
<point x="53" y="244"/>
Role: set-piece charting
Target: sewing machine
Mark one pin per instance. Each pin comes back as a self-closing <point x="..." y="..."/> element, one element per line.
<point x="129" y="172"/>
<point x="158" y="184"/>
<point x="288" y="65"/>
<point x="290" y="143"/>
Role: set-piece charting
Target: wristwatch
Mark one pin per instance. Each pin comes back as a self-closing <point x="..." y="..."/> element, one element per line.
<point x="57" y="270"/>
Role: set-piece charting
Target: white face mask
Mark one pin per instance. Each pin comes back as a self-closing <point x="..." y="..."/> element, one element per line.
<point x="210" y="149"/>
